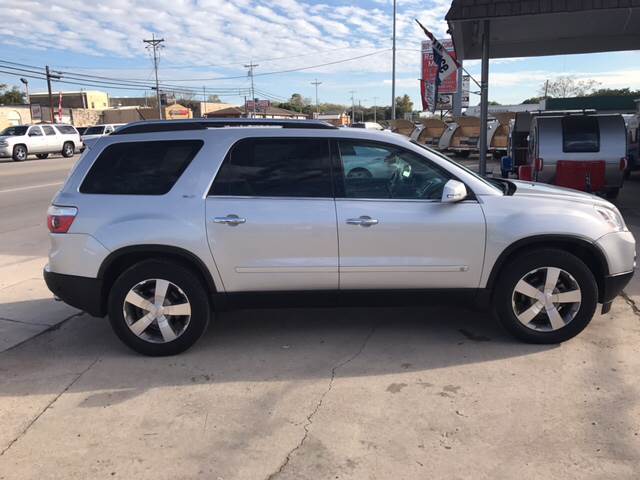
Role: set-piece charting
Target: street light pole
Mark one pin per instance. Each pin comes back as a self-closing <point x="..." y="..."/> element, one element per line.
<point x="393" y="67"/>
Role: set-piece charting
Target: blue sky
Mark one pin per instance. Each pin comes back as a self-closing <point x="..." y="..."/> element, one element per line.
<point x="210" y="40"/>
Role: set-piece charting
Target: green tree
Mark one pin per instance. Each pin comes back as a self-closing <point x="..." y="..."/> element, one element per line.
<point x="403" y="105"/>
<point x="532" y="100"/>
<point x="621" y="92"/>
<point x="567" y="86"/>
<point x="214" y="99"/>
<point x="11" y="96"/>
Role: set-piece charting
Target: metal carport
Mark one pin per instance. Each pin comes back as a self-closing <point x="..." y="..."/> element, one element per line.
<point x="484" y="29"/>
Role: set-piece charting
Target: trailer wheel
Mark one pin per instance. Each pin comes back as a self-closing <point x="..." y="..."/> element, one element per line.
<point x="612" y="194"/>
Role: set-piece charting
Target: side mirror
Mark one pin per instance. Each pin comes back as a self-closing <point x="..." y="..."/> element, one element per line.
<point x="454" y="191"/>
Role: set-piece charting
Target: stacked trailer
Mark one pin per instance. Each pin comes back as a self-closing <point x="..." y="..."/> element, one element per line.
<point x="498" y="134"/>
<point x="403" y="127"/>
<point x="462" y="136"/>
<point x="429" y="132"/>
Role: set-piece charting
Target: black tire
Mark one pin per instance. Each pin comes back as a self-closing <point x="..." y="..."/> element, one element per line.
<point x="613" y="193"/>
<point x="42" y="156"/>
<point x="20" y="153"/>
<point x="68" y="149"/>
<point x="180" y="276"/>
<point x="517" y="268"/>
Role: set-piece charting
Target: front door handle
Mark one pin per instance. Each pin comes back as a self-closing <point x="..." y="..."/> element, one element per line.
<point x="363" y="221"/>
<point x="231" y="220"/>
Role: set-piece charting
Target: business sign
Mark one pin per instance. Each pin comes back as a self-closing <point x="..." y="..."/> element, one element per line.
<point x="449" y="85"/>
<point x="260" y="105"/>
<point x="466" y="82"/>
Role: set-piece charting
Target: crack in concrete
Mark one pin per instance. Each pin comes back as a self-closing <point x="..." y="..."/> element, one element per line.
<point x="309" y="421"/>
<point x="47" y="407"/>
<point x="51" y="328"/>
<point x="24" y="323"/>
<point x="631" y="303"/>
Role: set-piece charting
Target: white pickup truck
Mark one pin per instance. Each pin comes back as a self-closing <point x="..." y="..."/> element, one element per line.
<point x="20" y="141"/>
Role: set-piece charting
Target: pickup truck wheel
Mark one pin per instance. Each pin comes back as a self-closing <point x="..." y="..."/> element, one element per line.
<point x="42" y="156"/>
<point x="545" y="296"/>
<point x="68" y="149"/>
<point x="158" y="308"/>
<point x="19" y="153"/>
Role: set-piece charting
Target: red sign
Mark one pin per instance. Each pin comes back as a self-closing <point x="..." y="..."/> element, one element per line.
<point x="430" y="69"/>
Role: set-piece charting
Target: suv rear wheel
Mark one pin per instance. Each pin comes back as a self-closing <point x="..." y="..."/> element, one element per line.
<point x="546" y="296"/>
<point x="158" y="308"/>
<point x="68" y="149"/>
<point x="19" y="153"/>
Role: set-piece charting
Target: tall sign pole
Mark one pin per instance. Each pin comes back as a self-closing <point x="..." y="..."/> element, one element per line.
<point x="393" y="67"/>
<point x="155" y="44"/>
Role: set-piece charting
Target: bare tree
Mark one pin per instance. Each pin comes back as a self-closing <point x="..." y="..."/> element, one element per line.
<point x="567" y="86"/>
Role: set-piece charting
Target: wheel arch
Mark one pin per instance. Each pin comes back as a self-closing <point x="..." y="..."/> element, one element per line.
<point x="587" y="251"/>
<point x="119" y="260"/>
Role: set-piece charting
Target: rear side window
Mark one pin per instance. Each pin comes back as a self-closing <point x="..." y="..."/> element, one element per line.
<point x="66" y="129"/>
<point x="48" y="130"/>
<point x="140" y="168"/>
<point x="276" y="167"/>
<point x="580" y="134"/>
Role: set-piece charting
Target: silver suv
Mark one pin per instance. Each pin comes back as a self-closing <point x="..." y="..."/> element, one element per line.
<point x="162" y="223"/>
<point x="19" y="141"/>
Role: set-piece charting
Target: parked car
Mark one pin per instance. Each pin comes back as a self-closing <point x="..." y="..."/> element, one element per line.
<point x="81" y="130"/>
<point x="91" y="134"/>
<point x="370" y="125"/>
<point x="162" y="223"/>
<point x="585" y="152"/>
<point x="18" y="142"/>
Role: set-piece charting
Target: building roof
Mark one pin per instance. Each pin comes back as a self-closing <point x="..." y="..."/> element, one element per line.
<point x="601" y="103"/>
<point x="522" y="28"/>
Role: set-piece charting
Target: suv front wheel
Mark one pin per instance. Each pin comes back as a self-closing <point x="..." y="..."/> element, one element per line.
<point x="19" y="153"/>
<point x="545" y="296"/>
<point x="158" y="308"/>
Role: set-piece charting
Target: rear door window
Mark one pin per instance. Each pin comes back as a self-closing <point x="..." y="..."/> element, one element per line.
<point x="48" y="130"/>
<point x="276" y="167"/>
<point x="140" y="168"/>
<point x="35" y="132"/>
<point x="66" y="129"/>
<point x="580" y="134"/>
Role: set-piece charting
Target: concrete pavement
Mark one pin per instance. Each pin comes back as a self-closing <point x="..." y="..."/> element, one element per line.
<point x="308" y="394"/>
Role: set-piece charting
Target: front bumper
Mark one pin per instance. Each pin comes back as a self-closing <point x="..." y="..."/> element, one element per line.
<point x="5" y="152"/>
<point x="84" y="293"/>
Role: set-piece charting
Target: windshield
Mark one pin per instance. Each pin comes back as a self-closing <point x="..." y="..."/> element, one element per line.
<point x="97" y="130"/>
<point x="17" y="130"/>
<point x="459" y="165"/>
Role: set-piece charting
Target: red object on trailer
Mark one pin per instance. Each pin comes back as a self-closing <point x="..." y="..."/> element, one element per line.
<point x="525" y="172"/>
<point x="585" y="176"/>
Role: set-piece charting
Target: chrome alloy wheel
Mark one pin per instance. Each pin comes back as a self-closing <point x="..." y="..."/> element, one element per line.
<point x="157" y="310"/>
<point x="68" y="149"/>
<point x="546" y="299"/>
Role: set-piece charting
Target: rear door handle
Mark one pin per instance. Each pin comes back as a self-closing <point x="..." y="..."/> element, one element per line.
<point x="231" y="220"/>
<point x="363" y="221"/>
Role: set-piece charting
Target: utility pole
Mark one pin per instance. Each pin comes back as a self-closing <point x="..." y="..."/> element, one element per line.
<point x="26" y="88"/>
<point x="375" y="101"/>
<point x="49" y="77"/>
<point x="316" y="83"/>
<point x="251" y="66"/>
<point x="353" y="106"/>
<point x="155" y="44"/>
<point x="393" y="67"/>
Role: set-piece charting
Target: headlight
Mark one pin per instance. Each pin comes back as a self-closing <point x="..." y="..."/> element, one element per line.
<point x="612" y="217"/>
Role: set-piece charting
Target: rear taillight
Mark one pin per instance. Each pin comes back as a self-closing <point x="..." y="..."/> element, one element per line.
<point x="59" y="219"/>
<point x="623" y="164"/>
<point x="538" y="164"/>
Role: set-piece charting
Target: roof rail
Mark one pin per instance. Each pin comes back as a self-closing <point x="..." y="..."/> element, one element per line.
<point x="205" y="123"/>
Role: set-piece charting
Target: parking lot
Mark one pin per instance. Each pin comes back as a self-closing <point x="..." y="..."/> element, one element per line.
<point x="303" y="393"/>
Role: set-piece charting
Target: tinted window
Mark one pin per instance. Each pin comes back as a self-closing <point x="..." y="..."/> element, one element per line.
<point x="140" y="168"/>
<point x="17" y="131"/>
<point x="97" y="130"/>
<point x="35" y="132"/>
<point x="374" y="170"/>
<point x="276" y="167"/>
<point x="66" y="129"/>
<point x="48" y="130"/>
<point x="580" y="134"/>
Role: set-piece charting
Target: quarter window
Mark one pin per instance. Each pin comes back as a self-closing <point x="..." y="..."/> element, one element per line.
<point x="373" y="170"/>
<point x="276" y="167"/>
<point x="580" y="134"/>
<point x="140" y="168"/>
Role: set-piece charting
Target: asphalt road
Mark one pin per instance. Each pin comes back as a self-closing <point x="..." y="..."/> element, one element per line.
<point x="305" y="393"/>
